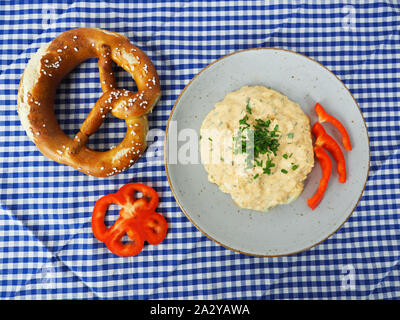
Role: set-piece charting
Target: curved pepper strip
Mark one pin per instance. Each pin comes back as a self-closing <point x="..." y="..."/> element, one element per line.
<point x="324" y="140"/>
<point x="137" y="219"/>
<point x="326" y="167"/>
<point x="323" y="116"/>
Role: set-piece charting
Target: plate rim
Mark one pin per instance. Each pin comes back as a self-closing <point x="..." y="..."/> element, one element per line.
<point x="168" y="176"/>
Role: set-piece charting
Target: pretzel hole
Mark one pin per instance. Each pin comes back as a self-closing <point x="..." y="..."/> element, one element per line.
<point x="109" y="135"/>
<point x="76" y="95"/>
<point x="123" y="79"/>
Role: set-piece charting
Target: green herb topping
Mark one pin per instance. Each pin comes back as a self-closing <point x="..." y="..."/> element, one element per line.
<point x="287" y="156"/>
<point x="256" y="140"/>
<point x="248" y="109"/>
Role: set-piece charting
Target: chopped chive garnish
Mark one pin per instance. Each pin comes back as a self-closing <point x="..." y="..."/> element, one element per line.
<point x="284" y="171"/>
<point x="256" y="176"/>
<point x="244" y="123"/>
<point x="294" y="167"/>
<point x="268" y="166"/>
<point x="258" y="140"/>
<point x="210" y="139"/>
<point x="248" y="109"/>
<point x="258" y="163"/>
<point x="285" y="156"/>
<point x="290" y="135"/>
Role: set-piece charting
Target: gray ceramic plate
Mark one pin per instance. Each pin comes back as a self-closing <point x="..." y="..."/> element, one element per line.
<point x="286" y="229"/>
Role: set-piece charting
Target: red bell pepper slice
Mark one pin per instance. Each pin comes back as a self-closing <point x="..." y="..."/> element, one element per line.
<point x="154" y="228"/>
<point x="137" y="219"/>
<point x="326" y="167"/>
<point x="324" y="140"/>
<point x="324" y="116"/>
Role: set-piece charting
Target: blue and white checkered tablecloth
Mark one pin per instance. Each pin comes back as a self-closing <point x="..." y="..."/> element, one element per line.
<point x="47" y="250"/>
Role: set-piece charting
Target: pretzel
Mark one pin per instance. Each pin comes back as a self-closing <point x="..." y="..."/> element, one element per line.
<point x="38" y="86"/>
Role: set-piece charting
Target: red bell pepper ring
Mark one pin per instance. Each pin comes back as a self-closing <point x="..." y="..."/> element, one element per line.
<point x="324" y="140"/>
<point x="326" y="166"/>
<point x="323" y="116"/>
<point x="137" y="219"/>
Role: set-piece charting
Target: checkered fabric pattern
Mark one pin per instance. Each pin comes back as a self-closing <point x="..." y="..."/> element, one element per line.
<point x="47" y="250"/>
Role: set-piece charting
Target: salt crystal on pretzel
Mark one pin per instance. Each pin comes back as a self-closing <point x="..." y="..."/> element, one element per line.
<point x="51" y="63"/>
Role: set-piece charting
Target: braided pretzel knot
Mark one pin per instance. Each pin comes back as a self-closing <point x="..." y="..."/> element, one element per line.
<point x="38" y="86"/>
